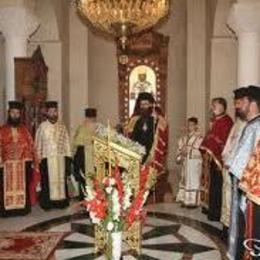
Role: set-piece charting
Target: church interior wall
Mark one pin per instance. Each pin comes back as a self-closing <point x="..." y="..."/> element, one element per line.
<point x="210" y="20"/>
<point x="196" y="60"/>
<point x="101" y="88"/>
<point x="78" y="71"/>
<point x="63" y="22"/>
<point x="103" y="78"/>
<point x="52" y="52"/>
<point x="83" y="66"/>
<point x="2" y="78"/>
<point x="176" y="28"/>
<point x="53" y="37"/>
<point x="223" y="71"/>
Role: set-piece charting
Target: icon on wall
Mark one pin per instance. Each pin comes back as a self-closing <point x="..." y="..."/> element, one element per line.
<point x="142" y="79"/>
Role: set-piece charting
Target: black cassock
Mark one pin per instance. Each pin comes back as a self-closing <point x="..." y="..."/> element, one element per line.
<point x="45" y="201"/>
<point x="143" y="133"/>
<point x="79" y="169"/>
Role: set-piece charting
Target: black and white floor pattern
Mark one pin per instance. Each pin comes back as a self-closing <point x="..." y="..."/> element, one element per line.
<point x="166" y="236"/>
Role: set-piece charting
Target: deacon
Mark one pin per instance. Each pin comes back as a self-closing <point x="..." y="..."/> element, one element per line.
<point x="189" y="156"/>
<point x="227" y="156"/>
<point x="213" y="145"/>
<point x="53" y="148"/>
<point x="249" y="111"/>
<point x="148" y="127"/>
<point x="17" y="160"/>
<point x="83" y="160"/>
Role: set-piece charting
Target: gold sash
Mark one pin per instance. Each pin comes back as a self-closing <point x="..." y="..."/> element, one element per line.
<point x="14" y="184"/>
<point x="56" y="172"/>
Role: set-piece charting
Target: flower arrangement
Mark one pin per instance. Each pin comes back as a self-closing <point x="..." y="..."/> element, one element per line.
<point x="112" y="203"/>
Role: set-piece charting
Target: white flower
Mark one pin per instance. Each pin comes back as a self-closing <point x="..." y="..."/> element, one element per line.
<point x="127" y="196"/>
<point x="109" y="190"/>
<point x="115" y="193"/>
<point x="110" y="226"/>
<point x="109" y="181"/>
<point x="112" y="181"/>
<point x="115" y="205"/>
<point x="117" y="216"/>
<point x="94" y="219"/>
<point x="105" y="180"/>
<point x="90" y="193"/>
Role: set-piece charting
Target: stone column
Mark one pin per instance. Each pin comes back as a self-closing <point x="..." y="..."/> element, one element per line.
<point x="244" y="19"/>
<point x="17" y="23"/>
<point x="79" y="69"/>
<point x="196" y="60"/>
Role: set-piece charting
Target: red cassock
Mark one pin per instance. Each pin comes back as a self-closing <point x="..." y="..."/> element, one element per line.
<point x="215" y="140"/>
<point x="17" y="152"/>
<point x="211" y="148"/>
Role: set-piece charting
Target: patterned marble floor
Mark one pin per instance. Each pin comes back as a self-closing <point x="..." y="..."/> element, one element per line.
<point x="170" y="233"/>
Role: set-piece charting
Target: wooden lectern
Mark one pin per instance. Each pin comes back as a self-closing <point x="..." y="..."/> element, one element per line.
<point x="108" y="152"/>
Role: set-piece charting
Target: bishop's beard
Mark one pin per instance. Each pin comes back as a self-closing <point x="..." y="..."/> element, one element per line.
<point x="14" y="122"/>
<point x="146" y="112"/>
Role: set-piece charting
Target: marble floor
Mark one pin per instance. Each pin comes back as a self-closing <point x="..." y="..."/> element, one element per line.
<point x="170" y="233"/>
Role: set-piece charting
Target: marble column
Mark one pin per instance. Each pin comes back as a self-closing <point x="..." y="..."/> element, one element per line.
<point x="17" y="24"/>
<point x="244" y="20"/>
<point x="196" y="61"/>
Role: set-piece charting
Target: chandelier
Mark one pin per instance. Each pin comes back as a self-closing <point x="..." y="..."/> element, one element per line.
<point x="122" y="18"/>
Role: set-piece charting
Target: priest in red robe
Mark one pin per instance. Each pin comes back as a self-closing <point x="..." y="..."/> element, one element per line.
<point x="212" y="147"/>
<point x="148" y="127"/>
<point x="17" y="164"/>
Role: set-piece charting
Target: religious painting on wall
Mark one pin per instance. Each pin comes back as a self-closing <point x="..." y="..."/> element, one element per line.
<point x="31" y="88"/>
<point x="142" y="67"/>
<point x="142" y="79"/>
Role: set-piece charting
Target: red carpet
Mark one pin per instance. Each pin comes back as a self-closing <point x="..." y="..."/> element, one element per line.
<point x="29" y="245"/>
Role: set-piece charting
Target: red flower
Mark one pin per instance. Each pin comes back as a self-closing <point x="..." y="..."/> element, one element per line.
<point x="136" y="208"/>
<point x="99" y="206"/>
